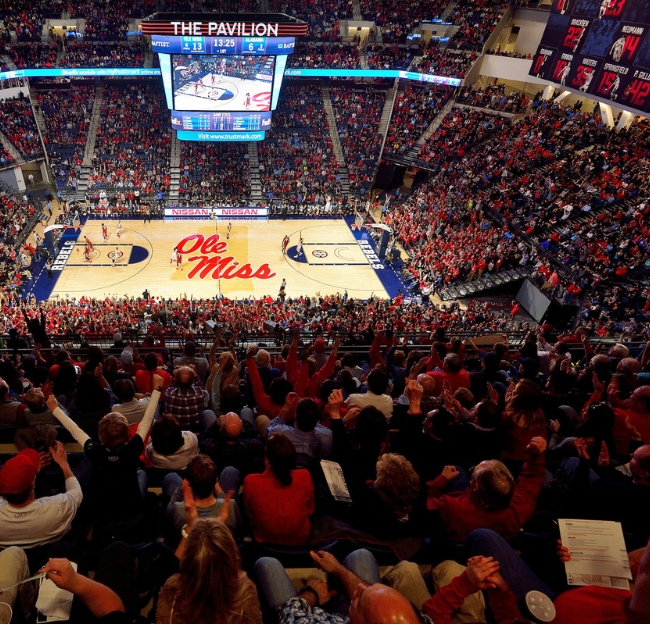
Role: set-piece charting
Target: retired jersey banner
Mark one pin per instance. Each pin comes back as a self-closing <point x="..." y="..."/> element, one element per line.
<point x="599" y="47"/>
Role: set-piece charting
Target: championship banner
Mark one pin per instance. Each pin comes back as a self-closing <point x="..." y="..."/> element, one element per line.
<point x="598" y="47"/>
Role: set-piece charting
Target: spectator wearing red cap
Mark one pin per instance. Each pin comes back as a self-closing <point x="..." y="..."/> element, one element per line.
<point x="25" y="520"/>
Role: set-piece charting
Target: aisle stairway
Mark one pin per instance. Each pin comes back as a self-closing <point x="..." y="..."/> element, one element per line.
<point x="82" y="185"/>
<point x="334" y="134"/>
<point x="9" y="147"/>
<point x="174" y="169"/>
<point x="254" y="173"/>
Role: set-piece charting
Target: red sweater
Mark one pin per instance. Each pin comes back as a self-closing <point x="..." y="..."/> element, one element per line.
<point x="442" y="606"/>
<point x="280" y="514"/>
<point x="460" y="516"/>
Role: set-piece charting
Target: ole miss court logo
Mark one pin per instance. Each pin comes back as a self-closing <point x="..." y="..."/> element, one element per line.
<point x="213" y="261"/>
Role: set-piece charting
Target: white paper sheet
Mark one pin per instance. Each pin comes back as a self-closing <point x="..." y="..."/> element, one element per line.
<point x="598" y="554"/>
<point x="336" y="481"/>
<point x="54" y="603"/>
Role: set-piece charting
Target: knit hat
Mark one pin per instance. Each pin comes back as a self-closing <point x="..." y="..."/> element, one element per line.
<point x="18" y="473"/>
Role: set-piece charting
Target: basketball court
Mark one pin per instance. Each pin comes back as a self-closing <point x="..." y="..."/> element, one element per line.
<point x="224" y="94"/>
<point x="250" y="262"/>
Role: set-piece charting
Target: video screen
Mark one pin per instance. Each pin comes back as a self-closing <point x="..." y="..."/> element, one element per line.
<point x="235" y="83"/>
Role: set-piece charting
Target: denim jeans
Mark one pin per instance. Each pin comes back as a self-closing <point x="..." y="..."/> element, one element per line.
<point x="277" y="588"/>
<point x="517" y="574"/>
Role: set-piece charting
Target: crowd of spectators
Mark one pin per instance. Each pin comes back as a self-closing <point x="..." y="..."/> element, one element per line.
<point x="133" y="140"/>
<point x="108" y="20"/>
<point x="17" y="123"/>
<point x="26" y="19"/>
<point x="495" y="98"/>
<point x="358" y="115"/>
<point x="217" y="172"/>
<point x="96" y="54"/>
<point x="454" y="454"/>
<point x="32" y="55"/>
<point x="459" y="131"/>
<point x="511" y="53"/>
<point x="415" y="108"/>
<point x="67" y="115"/>
<point x="388" y="56"/>
<point x="322" y="17"/>
<point x="476" y="19"/>
<point x="297" y="156"/>
<point x="444" y="62"/>
<point x="315" y="55"/>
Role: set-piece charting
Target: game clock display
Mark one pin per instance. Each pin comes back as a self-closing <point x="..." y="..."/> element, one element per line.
<point x="600" y="48"/>
<point x="223" y="45"/>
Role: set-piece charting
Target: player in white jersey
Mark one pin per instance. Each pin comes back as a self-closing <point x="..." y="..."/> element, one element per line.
<point x="617" y="49"/>
<point x="589" y="76"/>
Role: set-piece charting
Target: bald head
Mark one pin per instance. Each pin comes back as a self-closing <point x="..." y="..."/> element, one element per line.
<point x="184" y="377"/>
<point x="231" y="426"/>
<point x="379" y="604"/>
<point x="428" y="384"/>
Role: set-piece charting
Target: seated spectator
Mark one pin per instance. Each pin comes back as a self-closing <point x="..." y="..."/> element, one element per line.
<point x="112" y="465"/>
<point x="132" y="407"/>
<point x="144" y="378"/>
<point x="28" y="521"/>
<point x="170" y="448"/>
<point x="211" y="586"/>
<point x="280" y="501"/>
<point x="311" y="440"/>
<point x="376" y="396"/>
<point x="234" y="441"/>
<point x="189" y="358"/>
<point x="493" y="499"/>
<point x="209" y="489"/>
<point x="186" y="399"/>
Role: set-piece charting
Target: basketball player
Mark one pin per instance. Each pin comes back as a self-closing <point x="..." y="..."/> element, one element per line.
<point x="119" y="228"/>
<point x="179" y="260"/>
<point x="613" y="91"/>
<point x="285" y="244"/>
<point x="89" y="245"/>
<point x="174" y="253"/>
<point x="247" y="101"/>
<point x="604" y="5"/>
<point x="564" y="73"/>
<point x="87" y="254"/>
<point x="617" y="49"/>
<point x="228" y="230"/>
<point x="114" y="256"/>
<point x="299" y="247"/>
<point x="588" y="75"/>
<point x="104" y="232"/>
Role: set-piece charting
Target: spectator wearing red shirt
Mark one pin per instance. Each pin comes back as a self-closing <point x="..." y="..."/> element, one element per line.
<point x="493" y="499"/>
<point x="280" y="500"/>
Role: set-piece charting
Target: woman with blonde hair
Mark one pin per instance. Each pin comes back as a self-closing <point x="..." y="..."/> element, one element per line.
<point x="211" y="587"/>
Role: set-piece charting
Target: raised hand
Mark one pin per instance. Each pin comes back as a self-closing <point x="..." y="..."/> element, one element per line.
<point x="450" y="472"/>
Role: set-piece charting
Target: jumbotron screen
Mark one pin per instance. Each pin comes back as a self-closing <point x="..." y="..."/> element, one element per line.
<point x="236" y="83"/>
<point x="600" y="48"/>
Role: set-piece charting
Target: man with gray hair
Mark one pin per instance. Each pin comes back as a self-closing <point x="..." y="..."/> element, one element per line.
<point x="189" y="358"/>
<point x="267" y="372"/>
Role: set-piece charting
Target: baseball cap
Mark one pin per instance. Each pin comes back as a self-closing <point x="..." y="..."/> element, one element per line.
<point x="18" y="473"/>
<point x="319" y="345"/>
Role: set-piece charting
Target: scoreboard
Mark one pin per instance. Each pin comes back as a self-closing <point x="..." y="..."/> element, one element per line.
<point x="600" y="48"/>
<point x="223" y="45"/>
<point x="221" y="122"/>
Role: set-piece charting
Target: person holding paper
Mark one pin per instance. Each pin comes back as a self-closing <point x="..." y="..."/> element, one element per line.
<point x="586" y="605"/>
